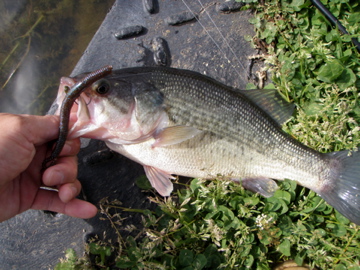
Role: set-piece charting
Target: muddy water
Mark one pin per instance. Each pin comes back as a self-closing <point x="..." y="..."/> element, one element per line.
<point x="40" y="41"/>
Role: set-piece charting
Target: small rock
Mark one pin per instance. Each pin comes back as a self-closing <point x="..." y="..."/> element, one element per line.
<point x="180" y="18"/>
<point x="161" y="51"/>
<point x="230" y="6"/>
<point x="149" y="6"/>
<point x="130" y="31"/>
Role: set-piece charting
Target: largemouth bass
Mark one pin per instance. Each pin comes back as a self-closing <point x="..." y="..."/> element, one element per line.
<point x="179" y="122"/>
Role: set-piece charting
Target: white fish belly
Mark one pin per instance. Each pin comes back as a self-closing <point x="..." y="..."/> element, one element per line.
<point x="209" y="159"/>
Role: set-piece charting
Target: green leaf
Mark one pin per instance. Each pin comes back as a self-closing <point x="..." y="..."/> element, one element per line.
<point x="252" y="201"/>
<point x="214" y="258"/>
<point x="337" y="229"/>
<point x="143" y="183"/>
<point x="195" y="184"/>
<point x="285" y="224"/>
<point x="199" y="262"/>
<point x="354" y="18"/>
<point x="284" y="195"/>
<point x="340" y="267"/>
<point x="95" y="248"/>
<point x="299" y="259"/>
<point x="270" y="86"/>
<point x="273" y="204"/>
<point x="313" y="108"/>
<point x="315" y="203"/>
<point x="249" y="261"/>
<point x="341" y="219"/>
<point x="265" y="238"/>
<point x="186" y="257"/>
<point x="320" y="232"/>
<point x="227" y="213"/>
<point x="330" y="71"/>
<point x="284" y="247"/>
<point x="123" y="264"/>
<point x="250" y="86"/>
<point x="297" y="5"/>
<point x="346" y="79"/>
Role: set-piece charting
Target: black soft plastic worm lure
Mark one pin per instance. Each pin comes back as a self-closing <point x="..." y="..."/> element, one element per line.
<point x="71" y="95"/>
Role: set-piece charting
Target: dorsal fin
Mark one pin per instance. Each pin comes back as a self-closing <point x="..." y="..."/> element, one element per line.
<point x="272" y="103"/>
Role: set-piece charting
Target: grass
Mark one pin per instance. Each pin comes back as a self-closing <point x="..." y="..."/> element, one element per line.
<point x="315" y="67"/>
<point x="219" y="225"/>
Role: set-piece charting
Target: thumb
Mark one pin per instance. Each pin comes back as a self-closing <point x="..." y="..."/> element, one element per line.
<point x="38" y="129"/>
<point x="19" y="139"/>
<point x="32" y="128"/>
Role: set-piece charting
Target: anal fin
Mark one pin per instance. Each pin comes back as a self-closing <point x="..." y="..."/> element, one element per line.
<point x="159" y="180"/>
<point x="264" y="186"/>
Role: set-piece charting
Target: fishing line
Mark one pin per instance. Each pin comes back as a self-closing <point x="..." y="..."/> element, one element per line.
<point x="222" y="36"/>
<point x="213" y="40"/>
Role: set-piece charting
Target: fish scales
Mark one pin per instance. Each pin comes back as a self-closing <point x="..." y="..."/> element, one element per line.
<point x="197" y="101"/>
<point x="209" y="105"/>
<point x="179" y="122"/>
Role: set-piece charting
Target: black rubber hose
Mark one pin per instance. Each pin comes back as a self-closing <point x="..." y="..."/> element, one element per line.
<point x="334" y="21"/>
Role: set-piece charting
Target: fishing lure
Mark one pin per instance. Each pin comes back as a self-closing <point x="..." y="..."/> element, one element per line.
<point x="71" y="95"/>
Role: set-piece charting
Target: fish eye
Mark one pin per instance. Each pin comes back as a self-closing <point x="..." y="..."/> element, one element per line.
<point x="102" y="87"/>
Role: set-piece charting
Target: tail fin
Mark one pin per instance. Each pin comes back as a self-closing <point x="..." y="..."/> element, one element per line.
<point x="344" y="194"/>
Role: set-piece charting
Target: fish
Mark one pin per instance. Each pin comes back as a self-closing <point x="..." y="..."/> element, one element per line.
<point x="180" y="122"/>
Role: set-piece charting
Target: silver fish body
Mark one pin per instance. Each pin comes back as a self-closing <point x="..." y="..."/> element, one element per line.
<point x="179" y="122"/>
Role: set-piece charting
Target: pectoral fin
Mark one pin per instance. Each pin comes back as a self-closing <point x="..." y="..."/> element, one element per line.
<point x="264" y="186"/>
<point x="174" y="135"/>
<point x="160" y="180"/>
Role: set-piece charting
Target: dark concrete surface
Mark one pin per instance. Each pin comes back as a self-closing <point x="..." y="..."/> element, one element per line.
<point x="36" y="240"/>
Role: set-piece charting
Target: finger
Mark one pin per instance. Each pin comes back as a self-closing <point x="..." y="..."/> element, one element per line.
<point x="71" y="148"/>
<point x="73" y="116"/>
<point x="39" y="129"/>
<point x="64" y="171"/>
<point x="69" y="191"/>
<point x="49" y="200"/>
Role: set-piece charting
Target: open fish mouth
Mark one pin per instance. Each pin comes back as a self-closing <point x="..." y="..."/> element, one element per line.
<point x="72" y="90"/>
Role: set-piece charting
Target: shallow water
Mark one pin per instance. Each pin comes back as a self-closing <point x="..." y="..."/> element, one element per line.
<point x="41" y="41"/>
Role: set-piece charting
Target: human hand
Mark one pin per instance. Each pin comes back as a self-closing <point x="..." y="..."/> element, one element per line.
<point x="23" y="148"/>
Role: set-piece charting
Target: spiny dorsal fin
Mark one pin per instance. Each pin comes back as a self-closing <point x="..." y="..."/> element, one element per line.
<point x="272" y="103"/>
